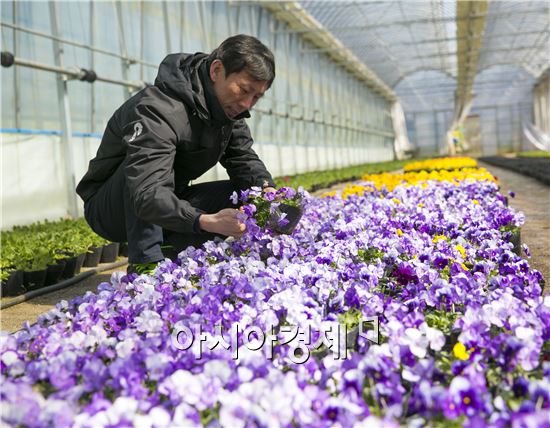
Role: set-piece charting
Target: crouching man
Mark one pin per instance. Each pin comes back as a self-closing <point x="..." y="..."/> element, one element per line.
<point x="137" y="187"/>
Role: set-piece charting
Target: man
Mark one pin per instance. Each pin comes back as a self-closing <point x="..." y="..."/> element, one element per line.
<point x="137" y="187"/>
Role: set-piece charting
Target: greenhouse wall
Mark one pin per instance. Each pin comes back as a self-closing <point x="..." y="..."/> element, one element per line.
<point x="501" y="129"/>
<point x="299" y="126"/>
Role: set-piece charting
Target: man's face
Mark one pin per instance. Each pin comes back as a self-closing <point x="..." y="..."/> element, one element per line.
<point x="237" y="92"/>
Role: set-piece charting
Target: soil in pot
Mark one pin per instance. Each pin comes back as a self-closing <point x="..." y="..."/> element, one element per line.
<point x="515" y="238"/>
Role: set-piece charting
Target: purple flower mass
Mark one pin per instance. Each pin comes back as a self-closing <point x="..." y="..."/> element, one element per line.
<point x="464" y="330"/>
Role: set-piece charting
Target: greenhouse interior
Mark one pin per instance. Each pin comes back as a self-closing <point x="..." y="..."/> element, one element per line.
<point x="330" y="213"/>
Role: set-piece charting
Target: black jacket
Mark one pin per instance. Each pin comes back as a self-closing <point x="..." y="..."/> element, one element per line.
<point x="169" y="134"/>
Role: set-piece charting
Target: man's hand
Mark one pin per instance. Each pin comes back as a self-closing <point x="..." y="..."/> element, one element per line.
<point x="224" y="222"/>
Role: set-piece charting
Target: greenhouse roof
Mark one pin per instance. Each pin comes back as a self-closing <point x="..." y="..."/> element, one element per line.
<point x="425" y="52"/>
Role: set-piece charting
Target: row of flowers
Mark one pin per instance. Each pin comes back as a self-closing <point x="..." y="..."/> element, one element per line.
<point x="463" y="331"/>
<point x="450" y="163"/>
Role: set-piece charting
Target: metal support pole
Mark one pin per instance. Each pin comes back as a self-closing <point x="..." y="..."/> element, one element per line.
<point x="302" y="124"/>
<point x="141" y="38"/>
<point x="65" y="112"/>
<point x="122" y="43"/>
<point x="92" y="65"/>
<point x="288" y="121"/>
<point x="92" y="87"/>
<point x="274" y="119"/>
<point x="436" y="129"/>
<point x="166" y="26"/>
<point x="513" y="124"/>
<point x="497" y="137"/>
<point x="16" y="76"/>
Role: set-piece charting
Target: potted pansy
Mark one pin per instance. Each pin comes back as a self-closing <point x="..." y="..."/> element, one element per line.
<point x="278" y="211"/>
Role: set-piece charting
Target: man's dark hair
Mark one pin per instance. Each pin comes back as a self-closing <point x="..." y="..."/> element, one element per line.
<point x="242" y="52"/>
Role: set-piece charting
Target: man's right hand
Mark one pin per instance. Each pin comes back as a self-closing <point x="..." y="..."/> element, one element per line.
<point x="224" y="222"/>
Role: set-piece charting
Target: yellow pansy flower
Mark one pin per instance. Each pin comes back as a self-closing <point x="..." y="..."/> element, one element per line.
<point x="459" y="351"/>
<point x="438" y="238"/>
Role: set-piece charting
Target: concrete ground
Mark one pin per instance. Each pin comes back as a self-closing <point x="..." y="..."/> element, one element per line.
<point x="532" y="197"/>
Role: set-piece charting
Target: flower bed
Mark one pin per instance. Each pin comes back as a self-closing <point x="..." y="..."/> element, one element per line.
<point x="535" y="167"/>
<point x="312" y="181"/>
<point x="463" y="330"/>
<point x="441" y="164"/>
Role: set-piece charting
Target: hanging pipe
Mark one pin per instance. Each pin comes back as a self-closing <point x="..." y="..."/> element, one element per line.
<point x="82" y="74"/>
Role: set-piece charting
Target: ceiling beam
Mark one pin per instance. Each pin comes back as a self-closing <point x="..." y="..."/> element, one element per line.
<point x="458" y="53"/>
<point x="298" y="19"/>
<point x="481" y="17"/>
<point x="422" y="42"/>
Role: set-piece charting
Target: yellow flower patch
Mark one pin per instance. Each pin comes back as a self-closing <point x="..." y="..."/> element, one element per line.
<point x="444" y="163"/>
<point x="353" y="189"/>
<point x="391" y="181"/>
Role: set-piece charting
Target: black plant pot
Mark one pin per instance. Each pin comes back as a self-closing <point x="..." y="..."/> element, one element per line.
<point x="515" y="238"/>
<point x="92" y="259"/>
<point x="73" y="266"/>
<point x="293" y="215"/>
<point x="54" y="272"/>
<point x="13" y="286"/>
<point x="34" y="279"/>
<point x="110" y="252"/>
<point x="123" y="249"/>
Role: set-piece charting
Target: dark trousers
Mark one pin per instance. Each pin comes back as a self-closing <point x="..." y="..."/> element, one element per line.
<point x="110" y="214"/>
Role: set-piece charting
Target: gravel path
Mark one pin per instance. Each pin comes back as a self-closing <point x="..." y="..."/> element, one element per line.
<point x="533" y="198"/>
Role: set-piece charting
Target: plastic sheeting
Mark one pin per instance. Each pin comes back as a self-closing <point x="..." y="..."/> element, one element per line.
<point x="413" y="47"/>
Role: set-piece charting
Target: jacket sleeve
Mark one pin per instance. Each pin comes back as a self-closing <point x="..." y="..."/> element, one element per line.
<point x="243" y="165"/>
<point x="149" y="171"/>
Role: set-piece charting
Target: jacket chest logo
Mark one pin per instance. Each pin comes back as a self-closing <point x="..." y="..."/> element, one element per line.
<point x="138" y="129"/>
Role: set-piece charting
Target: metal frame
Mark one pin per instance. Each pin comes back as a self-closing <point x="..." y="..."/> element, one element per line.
<point x="65" y="113"/>
<point x="426" y="41"/>
<point x="76" y="44"/>
<point x="406" y="23"/>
